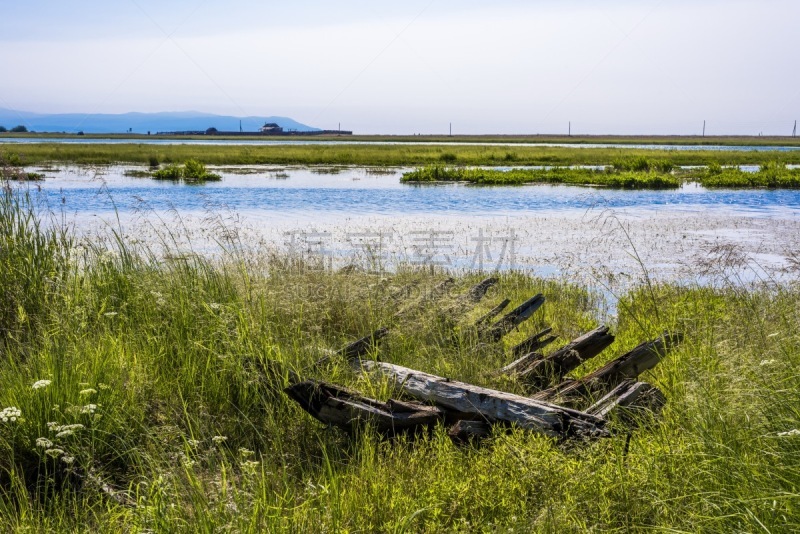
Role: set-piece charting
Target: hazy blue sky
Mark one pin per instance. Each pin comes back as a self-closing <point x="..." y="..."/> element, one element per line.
<point x="616" y="66"/>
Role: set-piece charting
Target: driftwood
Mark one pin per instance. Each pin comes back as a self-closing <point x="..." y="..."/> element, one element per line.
<point x="514" y="318"/>
<point x="494" y="312"/>
<point x="354" y="350"/>
<point x="534" y="343"/>
<point x="628" y="366"/>
<point x="337" y="406"/>
<point x="360" y="347"/>
<point x="465" y="430"/>
<point x="540" y="371"/>
<point x="477" y="292"/>
<point x="491" y="405"/>
<point x="630" y="397"/>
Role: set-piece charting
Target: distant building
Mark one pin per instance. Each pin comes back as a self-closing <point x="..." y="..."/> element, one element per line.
<point x="271" y="128"/>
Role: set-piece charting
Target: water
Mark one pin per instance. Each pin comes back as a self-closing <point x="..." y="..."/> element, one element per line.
<point x="355" y="216"/>
<point x="286" y="142"/>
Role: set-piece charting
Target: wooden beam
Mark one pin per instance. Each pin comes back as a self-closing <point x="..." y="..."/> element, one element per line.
<point x="489" y="404"/>
<point x="360" y="347"/>
<point x="337" y="406"/>
<point x="555" y="366"/>
<point x="628" y="398"/>
<point x="494" y="312"/>
<point x="477" y="292"/>
<point x="534" y="343"/>
<point x="514" y="318"/>
<point x="628" y="366"/>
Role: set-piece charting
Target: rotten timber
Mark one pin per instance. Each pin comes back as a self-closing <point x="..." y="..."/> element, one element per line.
<point x="491" y="405"/>
<point x="514" y="318"/>
<point x="477" y="292"/>
<point x="534" y="343"/>
<point x="362" y="346"/>
<point x="628" y="366"/>
<point x="337" y="406"/>
<point x="464" y="431"/>
<point x="494" y="312"/>
<point x="630" y="397"/>
<point x="554" y="367"/>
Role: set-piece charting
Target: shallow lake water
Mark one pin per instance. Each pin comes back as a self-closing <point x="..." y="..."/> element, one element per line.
<point x="357" y="216"/>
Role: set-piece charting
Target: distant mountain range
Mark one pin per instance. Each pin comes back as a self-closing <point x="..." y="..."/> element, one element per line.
<point x="140" y="123"/>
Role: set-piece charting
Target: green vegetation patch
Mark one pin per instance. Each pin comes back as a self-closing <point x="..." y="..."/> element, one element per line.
<point x="143" y="392"/>
<point x="770" y="175"/>
<point x="192" y="172"/>
<point x="381" y="155"/>
<point x="627" y="179"/>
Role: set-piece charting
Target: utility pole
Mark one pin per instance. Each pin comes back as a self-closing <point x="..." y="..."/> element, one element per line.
<point x="240" y="126"/>
<point x="794" y="130"/>
<point x="569" y="129"/>
<point x="451" y="129"/>
<point x="704" y="128"/>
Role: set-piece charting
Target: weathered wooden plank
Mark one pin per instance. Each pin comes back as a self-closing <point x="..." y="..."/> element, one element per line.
<point x="491" y="314"/>
<point x="353" y="350"/>
<point x="557" y="364"/>
<point x="628" y="366"/>
<point x="478" y="291"/>
<point x="360" y="347"/>
<point x="337" y="406"/>
<point x="491" y="405"/>
<point x="632" y="396"/>
<point x="464" y="431"/>
<point x="534" y="343"/>
<point x="514" y="318"/>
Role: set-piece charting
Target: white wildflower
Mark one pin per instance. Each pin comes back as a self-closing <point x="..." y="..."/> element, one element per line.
<point x="89" y="409"/>
<point x="64" y="430"/>
<point x="250" y="466"/>
<point x="788" y="433"/>
<point x="219" y="439"/>
<point x="103" y="387"/>
<point x="214" y="305"/>
<point x="52" y="425"/>
<point x="43" y="443"/>
<point x="193" y="443"/>
<point x="110" y="314"/>
<point x="67" y="459"/>
<point x="245" y="452"/>
<point x="54" y="453"/>
<point x="88" y="391"/>
<point x="39" y="384"/>
<point x="767" y="362"/>
<point x="10" y="414"/>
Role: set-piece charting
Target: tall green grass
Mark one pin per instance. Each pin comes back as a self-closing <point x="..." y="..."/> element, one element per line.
<point x="376" y="154"/>
<point x="769" y="175"/>
<point x="624" y="179"/>
<point x="173" y="364"/>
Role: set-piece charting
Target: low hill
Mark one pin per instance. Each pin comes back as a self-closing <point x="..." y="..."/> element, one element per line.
<point x="140" y="123"/>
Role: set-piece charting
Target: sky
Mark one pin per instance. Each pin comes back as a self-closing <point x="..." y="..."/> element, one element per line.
<point x="416" y="66"/>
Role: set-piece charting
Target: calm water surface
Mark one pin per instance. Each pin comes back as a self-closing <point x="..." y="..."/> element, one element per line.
<point x="544" y="228"/>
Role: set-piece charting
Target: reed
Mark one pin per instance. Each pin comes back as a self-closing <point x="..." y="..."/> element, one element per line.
<point x="141" y="391"/>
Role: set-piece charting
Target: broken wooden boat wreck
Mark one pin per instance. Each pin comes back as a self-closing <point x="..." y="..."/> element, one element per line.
<point x="555" y="405"/>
